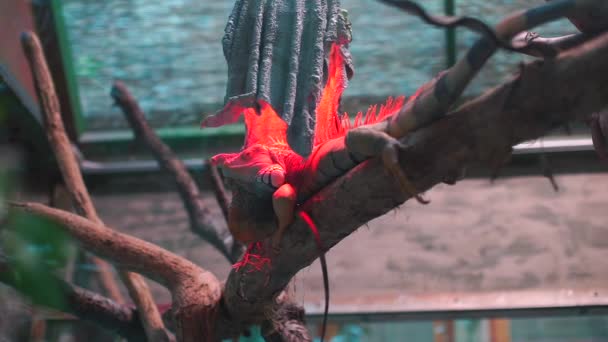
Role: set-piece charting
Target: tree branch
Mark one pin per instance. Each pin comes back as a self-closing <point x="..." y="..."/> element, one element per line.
<point x="85" y="305"/>
<point x="196" y="293"/>
<point x="61" y="144"/>
<point x="543" y="96"/>
<point x="201" y="221"/>
<point x="121" y="249"/>
<point x="57" y="135"/>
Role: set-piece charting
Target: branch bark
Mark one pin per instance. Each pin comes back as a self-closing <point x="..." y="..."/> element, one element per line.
<point x="543" y="96"/>
<point x="121" y="249"/>
<point x="201" y="221"/>
<point x="61" y="144"/>
<point x="196" y="293"/>
<point x="86" y="305"/>
<point x="62" y="148"/>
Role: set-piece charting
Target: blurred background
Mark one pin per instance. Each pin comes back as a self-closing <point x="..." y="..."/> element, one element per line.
<point x="514" y="259"/>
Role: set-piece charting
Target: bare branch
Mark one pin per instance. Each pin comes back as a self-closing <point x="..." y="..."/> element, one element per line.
<point x="545" y="95"/>
<point x="138" y="289"/>
<point x="201" y="221"/>
<point x="146" y="306"/>
<point x="61" y="145"/>
<point x="124" y="250"/>
<point x="196" y="293"/>
<point x="85" y="305"/>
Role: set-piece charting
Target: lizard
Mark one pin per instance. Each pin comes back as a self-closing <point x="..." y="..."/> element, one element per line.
<point x="278" y="178"/>
<point x="269" y="179"/>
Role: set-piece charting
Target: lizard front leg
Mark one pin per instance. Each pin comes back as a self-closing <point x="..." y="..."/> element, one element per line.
<point x="372" y="141"/>
<point x="284" y="204"/>
<point x="283" y="200"/>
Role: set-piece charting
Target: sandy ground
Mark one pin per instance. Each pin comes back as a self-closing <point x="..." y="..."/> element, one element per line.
<point x="513" y="234"/>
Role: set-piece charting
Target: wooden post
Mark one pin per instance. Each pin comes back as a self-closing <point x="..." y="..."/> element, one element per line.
<point x="500" y="330"/>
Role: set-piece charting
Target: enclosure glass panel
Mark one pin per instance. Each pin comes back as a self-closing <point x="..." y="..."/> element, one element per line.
<point x="169" y="53"/>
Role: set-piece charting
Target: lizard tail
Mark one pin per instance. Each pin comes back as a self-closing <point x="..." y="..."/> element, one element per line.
<point x="315" y="232"/>
<point x="443" y="91"/>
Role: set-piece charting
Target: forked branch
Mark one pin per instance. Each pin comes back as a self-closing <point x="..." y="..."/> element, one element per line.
<point x="59" y="141"/>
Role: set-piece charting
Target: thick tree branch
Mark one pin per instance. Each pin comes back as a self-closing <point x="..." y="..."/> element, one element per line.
<point x="545" y="95"/>
<point x="57" y="135"/>
<point x="85" y="305"/>
<point x="196" y="292"/>
<point x="124" y="250"/>
<point x="201" y="221"/>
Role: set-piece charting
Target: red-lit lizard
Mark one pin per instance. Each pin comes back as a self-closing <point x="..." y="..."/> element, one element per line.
<point x="269" y="177"/>
<point x="278" y="178"/>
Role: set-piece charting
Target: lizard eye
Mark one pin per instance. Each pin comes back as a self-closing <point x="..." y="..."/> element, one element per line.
<point x="247" y="155"/>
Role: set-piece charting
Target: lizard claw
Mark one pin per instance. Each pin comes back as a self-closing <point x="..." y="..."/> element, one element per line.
<point x="390" y="158"/>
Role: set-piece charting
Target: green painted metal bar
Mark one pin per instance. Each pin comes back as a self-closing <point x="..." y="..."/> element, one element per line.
<point x="450" y="35"/>
<point x="68" y="66"/>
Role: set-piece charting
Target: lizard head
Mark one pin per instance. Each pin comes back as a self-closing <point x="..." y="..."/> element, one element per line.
<point x="254" y="165"/>
<point x="253" y="175"/>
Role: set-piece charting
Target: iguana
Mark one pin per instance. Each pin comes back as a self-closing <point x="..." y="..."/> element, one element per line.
<point x="270" y="178"/>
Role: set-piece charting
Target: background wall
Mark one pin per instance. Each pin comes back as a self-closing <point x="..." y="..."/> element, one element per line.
<point x="169" y="53"/>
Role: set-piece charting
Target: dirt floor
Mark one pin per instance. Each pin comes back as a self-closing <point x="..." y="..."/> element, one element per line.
<point x="513" y="234"/>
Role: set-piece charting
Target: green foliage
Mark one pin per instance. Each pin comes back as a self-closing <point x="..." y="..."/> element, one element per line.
<point x="38" y="240"/>
<point x="36" y="248"/>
